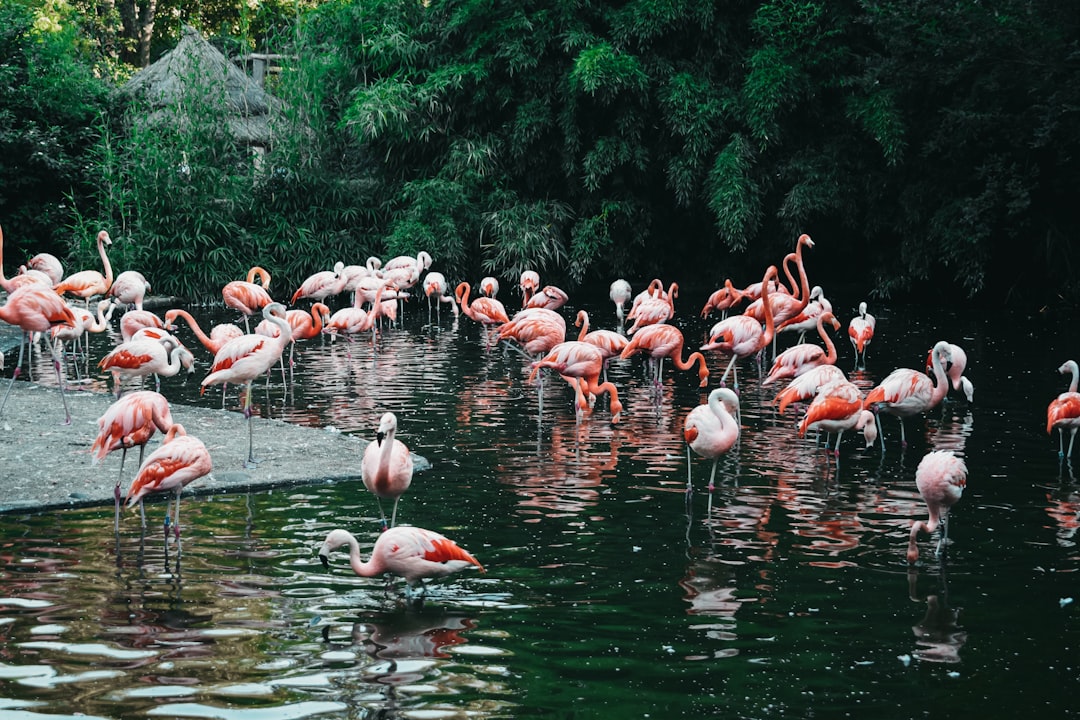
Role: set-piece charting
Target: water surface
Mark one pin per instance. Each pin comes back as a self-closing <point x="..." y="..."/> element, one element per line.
<point x="607" y="594"/>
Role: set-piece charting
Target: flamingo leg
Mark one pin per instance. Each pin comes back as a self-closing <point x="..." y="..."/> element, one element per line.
<point x="60" y="383"/>
<point x="712" y="486"/>
<point x="689" y="480"/>
<point x="251" y="462"/>
<point x="943" y="538"/>
<point x="176" y="522"/>
<point x="393" y="513"/>
<point x="14" y="375"/>
<point x="1072" y="439"/>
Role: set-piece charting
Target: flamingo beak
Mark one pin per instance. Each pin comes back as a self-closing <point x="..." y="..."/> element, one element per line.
<point x="379" y="437"/>
<point x="325" y="561"/>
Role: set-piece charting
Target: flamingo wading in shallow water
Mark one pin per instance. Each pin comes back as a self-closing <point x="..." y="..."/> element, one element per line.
<point x="905" y="392"/>
<point x="180" y="460"/>
<point x="711" y="430"/>
<point x="861" y="332"/>
<point x="1063" y="412"/>
<point x="941" y="478"/>
<point x="132" y="420"/>
<point x="409" y="552"/>
<point x="387" y="467"/>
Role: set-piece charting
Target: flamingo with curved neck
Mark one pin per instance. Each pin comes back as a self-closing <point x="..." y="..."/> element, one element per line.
<point x="1063" y="412"/>
<point x="742" y="335"/>
<point x="387" y="467"/>
<point x="409" y="552"/>
<point x="905" y="392"/>
<point x="796" y="360"/>
<point x="219" y="334"/>
<point x="665" y="341"/>
<point x="87" y="283"/>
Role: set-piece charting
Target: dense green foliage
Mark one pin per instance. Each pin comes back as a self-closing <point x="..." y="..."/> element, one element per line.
<point x="50" y="103"/>
<point x="920" y="143"/>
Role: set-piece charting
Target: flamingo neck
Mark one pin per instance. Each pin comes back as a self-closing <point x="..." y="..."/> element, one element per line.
<point x="770" y="328"/>
<point x="942" y="384"/>
<point x="364" y="569"/>
<point x="105" y="262"/>
<point x="830" y="348"/>
<point x="1075" y="370"/>
<point x="583" y="320"/>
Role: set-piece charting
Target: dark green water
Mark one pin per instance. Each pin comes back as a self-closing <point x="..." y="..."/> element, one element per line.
<point x="604" y="597"/>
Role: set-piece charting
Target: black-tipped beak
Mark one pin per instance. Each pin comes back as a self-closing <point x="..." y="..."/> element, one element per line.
<point x="379" y="437"/>
<point x="325" y="561"/>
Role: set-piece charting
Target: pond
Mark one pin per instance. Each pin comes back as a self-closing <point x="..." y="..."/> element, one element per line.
<point x="606" y="594"/>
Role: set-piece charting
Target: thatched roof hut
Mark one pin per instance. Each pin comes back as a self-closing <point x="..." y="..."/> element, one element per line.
<point x="196" y="69"/>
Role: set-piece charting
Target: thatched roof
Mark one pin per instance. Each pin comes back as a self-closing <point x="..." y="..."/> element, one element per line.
<point x="194" y="69"/>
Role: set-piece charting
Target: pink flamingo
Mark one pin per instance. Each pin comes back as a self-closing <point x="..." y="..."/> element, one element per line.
<point x="387" y="467"/>
<point x="246" y="358"/>
<point x="529" y="283"/>
<point x="48" y="264"/>
<point x="654" y="308"/>
<point x="955" y="362"/>
<point x="435" y="288"/>
<point x="134" y="320"/>
<point x="421" y="262"/>
<point x="620" y="293"/>
<point x="580" y="364"/>
<point x="36" y="308"/>
<point x="838" y="407"/>
<point x="806" y="386"/>
<point x="247" y="297"/>
<point x="132" y="420"/>
<point x="409" y="552"/>
<point x="484" y="310"/>
<point x="180" y="460"/>
<point x="723" y="300"/>
<point x="219" y="334"/>
<point x="608" y="342"/>
<point x="796" y="360"/>
<point x="130" y="288"/>
<point x="85" y="322"/>
<point x="786" y="306"/>
<point x="905" y="392"/>
<point x="742" y="335"/>
<point x="87" y="283"/>
<point x="305" y="324"/>
<point x="489" y="287"/>
<point x="1063" y="412"/>
<point x="321" y="285"/>
<point x="861" y="332"/>
<point x="30" y="276"/>
<point x="711" y="430"/>
<point x="549" y="297"/>
<point x="941" y="478"/>
<point x="665" y="341"/>
<point x="142" y="356"/>
<point x="807" y="319"/>
<point x="537" y="330"/>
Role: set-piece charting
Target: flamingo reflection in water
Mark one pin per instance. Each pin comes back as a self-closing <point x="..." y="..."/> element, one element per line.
<point x="938" y="637"/>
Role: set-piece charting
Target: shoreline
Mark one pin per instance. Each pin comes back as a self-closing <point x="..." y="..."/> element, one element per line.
<point x="45" y="465"/>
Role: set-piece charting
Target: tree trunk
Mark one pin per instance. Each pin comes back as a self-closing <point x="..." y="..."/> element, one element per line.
<point x="138" y="29"/>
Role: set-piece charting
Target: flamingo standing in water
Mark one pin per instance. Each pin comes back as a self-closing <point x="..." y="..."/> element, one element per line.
<point x="723" y="300"/>
<point x="838" y="407"/>
<point x="798" y="359"/>
<point x="861" y="332"/>
<point x="387" y="467"/>
<point x="484" y="310"/>
<point x="435" y="288"/>
<point x="246" y="296"/>
<point x="132" y="420"/>
<point x="905" y="392"/>
<point x="941" y="478"/>
<point x="742" y="335"/>
<point x="409" y="552"/>
<point x="608" y="342"/>
<point x="322" y="285"/>
<point x="955" y="362"/>
<point x="620" y="294"/>
<point x="1064" y="411"/>
<point x="580" y="364"/>
<point x="537" y="330"/>
<point x="653" y="306"/>
<point x="180" y="460"/>
<point x="30" y="276"/>
<point x="806" y="386"/>
<point x="36" y="308"/>
<point x="219" y="334"/>
<point x="711" y="430"/>
<point x="129" y="289"/>
<point x="665" y="341"/>
<point x="87" y="283"/>
<point x="246" y="358"/>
